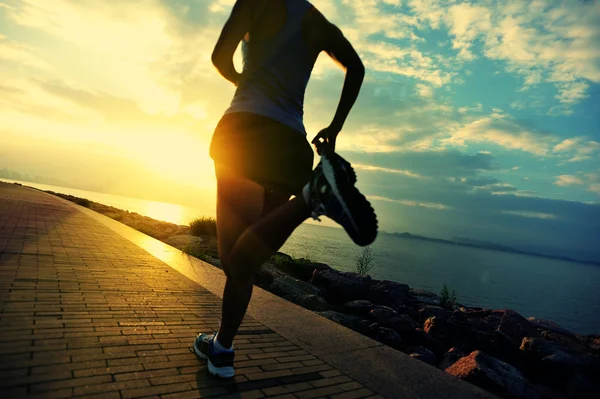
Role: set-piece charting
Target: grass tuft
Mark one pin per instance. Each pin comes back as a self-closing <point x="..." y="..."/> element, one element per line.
<point x="365" y="261"/>
<point x="204" y="226"/>
<point x="447" y="300"/>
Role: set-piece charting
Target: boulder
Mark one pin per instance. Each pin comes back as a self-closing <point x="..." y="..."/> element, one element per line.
<point x="493" y="375"/>
<point x="359" y="307"/>
<point x="392" y="319"/>
<point x="517" y="327"/>
<point x="418" y="337"/>
<point x="390" y="338"/>
<point x="181" y="241"/>
<point x="310" y="302"/>
<point x="290" y="286"/>
<point x="389" y="293"/>
<point x="451" y="357"/>
<point x="267" y="273"/>
<point x="548" y="325"/>
<point x="341" y="287"/>
<point x="437" y="311"/>
<point x="410" y="311"/>
<point x="555" y="354"/>
<point x="301" y="269"/>
<point x="424" y="355"/>
<point x="425" y="297"/>
<point x="580" y="386"/>
<point x="353" y="322"/>
<point x="476" y="312"/>
<point x="468" y="338"/>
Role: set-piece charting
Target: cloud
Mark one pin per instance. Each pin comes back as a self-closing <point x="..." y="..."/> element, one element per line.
<point x="424" y="90"/>
<point x="428" y="205"/>
<point x="567" y="180"/>
<point x="577" y="148"/>
<point x="552" y="43"/>
<point x="20" y="54"/>
<point x="502" y="130"/>
<point x="535" y="215"/>
<point x="387" y="170"/>
<point x="420" y="164"/>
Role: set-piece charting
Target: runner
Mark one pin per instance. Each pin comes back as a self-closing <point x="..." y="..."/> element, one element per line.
<point x="262" y="156"/>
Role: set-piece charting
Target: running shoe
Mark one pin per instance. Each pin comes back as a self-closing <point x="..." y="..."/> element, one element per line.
<point x="331" y="192"/>
<point x="219" y="364"/>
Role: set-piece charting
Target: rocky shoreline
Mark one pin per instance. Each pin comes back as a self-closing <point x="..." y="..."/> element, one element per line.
<point x="497" y="350"/>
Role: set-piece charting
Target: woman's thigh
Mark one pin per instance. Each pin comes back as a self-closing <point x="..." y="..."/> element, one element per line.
<point x="241" y="202"/>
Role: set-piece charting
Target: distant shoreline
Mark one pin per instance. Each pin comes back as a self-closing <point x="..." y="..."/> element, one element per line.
<point x="491" y="246"/>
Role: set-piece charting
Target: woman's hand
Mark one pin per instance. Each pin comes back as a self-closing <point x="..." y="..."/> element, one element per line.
<point x="324" y="141"/>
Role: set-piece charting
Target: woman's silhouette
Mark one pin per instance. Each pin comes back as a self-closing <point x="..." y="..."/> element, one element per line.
<point x="262" y="156"/>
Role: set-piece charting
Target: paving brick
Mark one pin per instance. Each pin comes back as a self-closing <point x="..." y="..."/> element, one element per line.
<point x="15" y="382"/>
<point x="71" y="383"/>
<point x="340" y="379"/>
<point x="146" y="374"/>
<point x="317" y="392"/>
<point x="110" y="387"/>
<point x="281" y="389"/>
<point x="356" y="394"/>
<point x="156" y="390"/>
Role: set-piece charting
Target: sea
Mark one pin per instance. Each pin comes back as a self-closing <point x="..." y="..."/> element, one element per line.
<point x="565" y="292"/>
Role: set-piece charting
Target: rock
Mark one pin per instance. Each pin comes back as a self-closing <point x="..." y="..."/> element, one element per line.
<point x="555" y="354"/>
<point x="290" y="286"/>
<point x="410" y="311"/>
<point x="493" y="375"/>
<point x="424" y="296"/>
<point x="267" y="273"/>
<point x="517" y="327"/>
<point x="467" y="338"/>
<point x="495" y="318"/>
<point x="476" y="312"/>
<point x="181" y="241"/>
<point x="424" y="355"/>
<point x="449" y="333"/>
<point x="392" y="319"/>
<point x="310" y="302"/>
<point x="353" y="322"/>
<point x="418" y="337"/>
<point x="580" y="386"/>
<point x="555" y="364"/>
<point x="390" y="338"/>
<point x="548" y="325"/>
<point x="359" y="307"/>
<point x="301" y="269"/>
<point x="451" y="357"/>
<point x="342" y="287"/>
<point x="389" y="293"/>
<point x="437" y="311"/>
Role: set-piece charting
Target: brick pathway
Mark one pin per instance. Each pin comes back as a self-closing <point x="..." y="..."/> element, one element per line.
<point x="85" y="312"/>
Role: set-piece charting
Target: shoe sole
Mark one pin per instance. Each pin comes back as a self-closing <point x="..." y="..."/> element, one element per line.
<point x="222" y="372"/>
<point x="361" y="214"/>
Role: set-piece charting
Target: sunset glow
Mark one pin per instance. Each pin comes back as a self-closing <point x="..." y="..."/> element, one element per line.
<point x="476" y="118"/>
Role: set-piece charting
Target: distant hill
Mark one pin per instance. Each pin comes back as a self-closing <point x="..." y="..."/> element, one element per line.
<point x="468" y="242"/>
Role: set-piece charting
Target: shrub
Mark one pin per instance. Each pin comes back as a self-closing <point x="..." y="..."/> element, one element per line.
<point x="447" y="300"/>
<point x="196" y="252"/>
<point x="204" y="226"/>
<point x="365" y="261"/>
<point x="82" y="201"/>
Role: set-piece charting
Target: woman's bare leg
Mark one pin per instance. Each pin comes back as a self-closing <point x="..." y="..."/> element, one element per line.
<point x="247" y="239"/>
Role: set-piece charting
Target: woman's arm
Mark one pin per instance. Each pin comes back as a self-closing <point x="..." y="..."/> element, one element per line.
<point x="342" y="52"/>
<point x="233" y="32"/>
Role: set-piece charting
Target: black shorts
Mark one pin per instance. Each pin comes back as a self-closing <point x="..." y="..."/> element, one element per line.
<point x="273" y="154"/>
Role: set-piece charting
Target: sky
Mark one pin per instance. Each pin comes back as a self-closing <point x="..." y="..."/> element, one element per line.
<point x="477" y="119"/>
